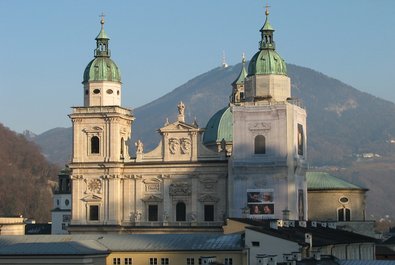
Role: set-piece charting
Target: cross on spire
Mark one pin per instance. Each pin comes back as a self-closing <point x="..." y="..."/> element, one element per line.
<point x="102" y="15"/>
<point x="267" y="8"/>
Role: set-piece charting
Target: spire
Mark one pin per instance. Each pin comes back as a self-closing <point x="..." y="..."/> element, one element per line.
<point x="238" y="85"/>
<point x="267" y="30"/>
<point x="102" y="39"/>
<point x="243" y="73"/>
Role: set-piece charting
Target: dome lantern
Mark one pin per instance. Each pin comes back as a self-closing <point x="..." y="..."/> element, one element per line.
<point x="267" y="61"/>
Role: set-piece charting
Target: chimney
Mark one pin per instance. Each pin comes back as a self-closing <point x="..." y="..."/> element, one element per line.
<point x="302" y="223"/>
<point x="297" y="256"/>
<point x="317" y="255"/>
<point x="286" y="214"/>
<point x="308" y="238"/>
<point x="272" y="260"/>
<point x="332" y="225"/>
<point x="280" y="223"/>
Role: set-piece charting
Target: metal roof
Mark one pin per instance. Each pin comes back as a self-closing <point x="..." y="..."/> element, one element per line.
<point x="103" y="243"/>
<point x="366" y="262"/>
<point x="325" y="181"/>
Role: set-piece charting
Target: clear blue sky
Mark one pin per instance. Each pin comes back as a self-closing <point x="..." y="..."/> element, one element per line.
<point x="159" y="45"/>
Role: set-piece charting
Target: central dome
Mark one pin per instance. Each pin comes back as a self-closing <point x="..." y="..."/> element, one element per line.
<point x="219" y="127"/>
<point x="102" y="69"/>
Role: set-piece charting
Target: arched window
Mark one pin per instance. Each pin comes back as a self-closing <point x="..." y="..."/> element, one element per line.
<point x="260" y="144"/>
<point x="343" y="214"/>
<point x="95" y="145"/>
<point x="122" y="147"/>
<point x="300" y="139"/>
<point x="180" y="212"/>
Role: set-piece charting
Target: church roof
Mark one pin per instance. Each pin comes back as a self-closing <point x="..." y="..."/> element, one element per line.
<point x="325" y="181"/>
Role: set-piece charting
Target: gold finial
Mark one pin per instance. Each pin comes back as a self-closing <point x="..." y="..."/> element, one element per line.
<point x="267" y="8"/>
<point x="102" y="19"/>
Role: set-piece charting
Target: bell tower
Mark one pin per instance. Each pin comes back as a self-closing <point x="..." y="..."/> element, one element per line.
<point x="268" y="163"/>
<point x="101" y="131"/>
<point x="101" y="127"/>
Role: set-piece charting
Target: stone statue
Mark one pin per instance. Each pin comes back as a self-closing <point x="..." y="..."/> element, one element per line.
<point x="181" y="108"/>
<point x="139" y="147"/>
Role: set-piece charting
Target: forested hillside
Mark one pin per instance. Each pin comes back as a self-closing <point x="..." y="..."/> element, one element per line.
<point x="26" y="178"/>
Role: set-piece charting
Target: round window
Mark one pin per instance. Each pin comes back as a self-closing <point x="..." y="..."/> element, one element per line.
<point x="109" y="91"/>
<point x="343" y="200"/>
<point x="67" y="202"/>
<point x="96" y="91"/>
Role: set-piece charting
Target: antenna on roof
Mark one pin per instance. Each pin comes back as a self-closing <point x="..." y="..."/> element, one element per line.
<point x="224" y="64"/>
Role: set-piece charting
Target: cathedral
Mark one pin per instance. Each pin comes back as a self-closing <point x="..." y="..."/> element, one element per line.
<point x="249" y="161"/>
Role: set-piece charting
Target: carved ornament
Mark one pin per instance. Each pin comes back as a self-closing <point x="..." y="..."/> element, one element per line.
<point x="208" y="198"/>
<point x="259" y="126"/>
<point x="94" y="185"/>
<point x="180" y="189"/>
<point x="182" y="145"/>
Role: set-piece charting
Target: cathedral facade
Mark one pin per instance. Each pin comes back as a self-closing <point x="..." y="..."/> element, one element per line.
<point x="249" y="161"/>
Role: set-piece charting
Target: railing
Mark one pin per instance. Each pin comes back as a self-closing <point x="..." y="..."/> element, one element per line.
<point x="102" y="109"/>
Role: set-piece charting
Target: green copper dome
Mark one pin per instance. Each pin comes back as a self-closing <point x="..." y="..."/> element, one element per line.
<point x="102" y="68"/>
<point x="220" y="126"/>
<point x="267" y="61"/>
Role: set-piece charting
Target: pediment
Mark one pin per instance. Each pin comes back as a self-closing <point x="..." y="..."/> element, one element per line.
<point x="151" y="181"/>
<point x="92" y="198"/>
<point x="208" y="198"/>
<point x="178" y="126"/>
<point x="208" y="179"/>
<point x="152" y="198"/>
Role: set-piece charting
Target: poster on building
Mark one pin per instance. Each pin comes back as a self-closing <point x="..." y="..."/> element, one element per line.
<point x="260" y="202"/>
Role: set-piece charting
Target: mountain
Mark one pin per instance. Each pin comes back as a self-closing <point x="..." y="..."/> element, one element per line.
<point x="345" y="126"/>
<point x="23" y="169"/>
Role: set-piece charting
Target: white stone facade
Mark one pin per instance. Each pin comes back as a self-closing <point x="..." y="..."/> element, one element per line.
<point x="278" y="170"/>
